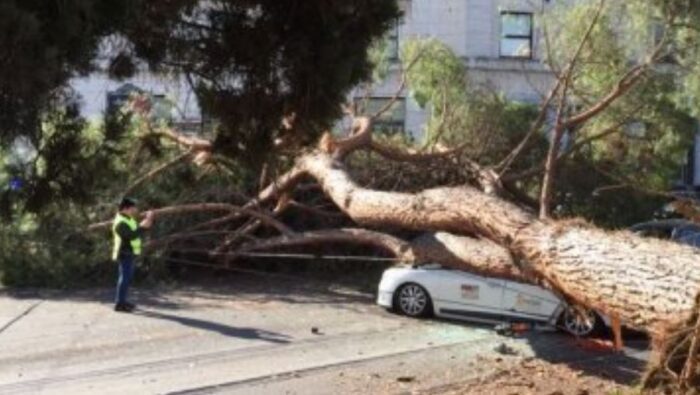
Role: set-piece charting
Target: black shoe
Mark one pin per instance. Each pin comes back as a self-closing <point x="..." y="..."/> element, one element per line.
<point x="130" y="306"/>
<point x="123" y="308"/>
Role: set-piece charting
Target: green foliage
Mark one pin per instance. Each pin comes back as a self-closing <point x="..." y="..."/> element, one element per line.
<point x="379" y="59"/>
<point x="46" y="251"/>
<point x="43" y="44"/>
<point x="647" y="131"/>
<point x="251" y="63"/>
<point x="44" y="235"/>
<point x="583" y="191"/>
<point x="462" y="113"/>
<point x="437" y="75"/>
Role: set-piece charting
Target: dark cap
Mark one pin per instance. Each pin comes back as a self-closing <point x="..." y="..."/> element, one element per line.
<point x="126" y="203"/>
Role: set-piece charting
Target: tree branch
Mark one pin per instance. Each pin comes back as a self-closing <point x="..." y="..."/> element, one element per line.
<point x="431" y="209"/>
<point x="204" y="207"/>
<point x="457" y="252"/>
<point x="505" y="164"/>
<point x="399" y="248"/>
<point x="560" y="126"/>
<point x="402" y="155"/>
<point x="623" y="85"/>
<point x="576" y="147"/>
<point x="194" y="143"/>
<point x="478" y="256"/>
<point x="402" y="86"/>
<point x="153" y="173"/>
<point x="315" y="210"/>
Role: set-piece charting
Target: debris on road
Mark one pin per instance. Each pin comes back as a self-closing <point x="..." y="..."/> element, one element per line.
<point x="513" y="328"/>
<point x="504" y="349"/>
<point x="516" y="375"/>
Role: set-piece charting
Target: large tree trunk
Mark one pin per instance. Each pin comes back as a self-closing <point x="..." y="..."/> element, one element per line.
<point x="645" y="282"/>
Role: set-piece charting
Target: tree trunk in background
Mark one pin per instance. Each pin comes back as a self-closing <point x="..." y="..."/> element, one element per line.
<point x="550" y="171"/>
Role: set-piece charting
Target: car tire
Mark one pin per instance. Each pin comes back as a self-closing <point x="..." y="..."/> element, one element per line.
<point x="413" y="300"/>
<point x="581" y="322"/>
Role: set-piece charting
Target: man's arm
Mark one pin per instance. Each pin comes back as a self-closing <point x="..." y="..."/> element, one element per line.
<point x="127" y="234"/>
<point x="148" y="221"/>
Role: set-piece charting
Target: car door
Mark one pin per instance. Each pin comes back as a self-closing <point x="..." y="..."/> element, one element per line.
<point x="459" y="293"/>
<point x="529" y="301"/>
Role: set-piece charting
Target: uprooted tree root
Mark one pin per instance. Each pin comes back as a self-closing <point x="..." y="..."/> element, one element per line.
<point x="675" y="369"/>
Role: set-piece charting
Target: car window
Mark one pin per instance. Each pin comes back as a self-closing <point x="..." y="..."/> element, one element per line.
<point x="689" y="235"/>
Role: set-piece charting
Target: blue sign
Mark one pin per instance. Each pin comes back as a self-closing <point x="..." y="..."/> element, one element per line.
<point x="16" y="183"/>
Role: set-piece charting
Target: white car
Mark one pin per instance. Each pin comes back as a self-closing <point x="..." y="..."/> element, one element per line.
<point x="420" y="291"/>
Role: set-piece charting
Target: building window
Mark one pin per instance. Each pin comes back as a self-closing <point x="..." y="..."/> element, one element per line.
<point x="516" y="35"/>
<point x="392" y="121"/>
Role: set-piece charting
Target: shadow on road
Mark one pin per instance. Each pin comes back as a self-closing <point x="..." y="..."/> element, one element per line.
<point x="589" y="356"/>
<point x="584" y="355"/>
<point x="226" y="330"/>
<point x="249" y="288"/>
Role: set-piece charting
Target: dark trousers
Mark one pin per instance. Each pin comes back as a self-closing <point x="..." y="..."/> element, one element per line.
<point x="126" y="272"/>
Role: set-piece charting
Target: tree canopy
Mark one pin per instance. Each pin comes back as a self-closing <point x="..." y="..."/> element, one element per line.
<point x="251" y="63"/>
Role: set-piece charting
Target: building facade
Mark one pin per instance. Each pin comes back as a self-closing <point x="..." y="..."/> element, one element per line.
<point x="497" y="39"/>
<point x="172" y="97"/>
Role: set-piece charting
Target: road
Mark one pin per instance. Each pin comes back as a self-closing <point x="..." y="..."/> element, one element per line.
<point x="244" y="335"/>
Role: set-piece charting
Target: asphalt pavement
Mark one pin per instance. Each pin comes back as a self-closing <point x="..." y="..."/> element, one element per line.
<point x="248" y="335"/>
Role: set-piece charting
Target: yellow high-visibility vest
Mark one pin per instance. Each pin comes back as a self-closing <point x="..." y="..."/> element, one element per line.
<point x="135" y="243"/>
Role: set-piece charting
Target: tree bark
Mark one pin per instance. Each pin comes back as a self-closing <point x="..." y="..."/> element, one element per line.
<point x="480" y="256"/>
<point x="646" y="282"/>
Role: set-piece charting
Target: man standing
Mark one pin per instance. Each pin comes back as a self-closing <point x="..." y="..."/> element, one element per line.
<point x="128" y="240"/>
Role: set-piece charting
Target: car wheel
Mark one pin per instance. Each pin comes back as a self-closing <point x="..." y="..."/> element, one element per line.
<point x="413" y="300"/>
<point x="580" y="321"/>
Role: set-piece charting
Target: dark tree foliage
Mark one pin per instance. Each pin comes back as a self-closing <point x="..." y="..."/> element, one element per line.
<point x="251" y="63"/>
<point x="254" y="61"/>
<point x="44" y="43"/>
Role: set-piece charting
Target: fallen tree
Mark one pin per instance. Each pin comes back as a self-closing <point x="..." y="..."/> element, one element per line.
<point x="483" y="226"/>
<point x="646" y="282"/>
<point x="649" y="284"/>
